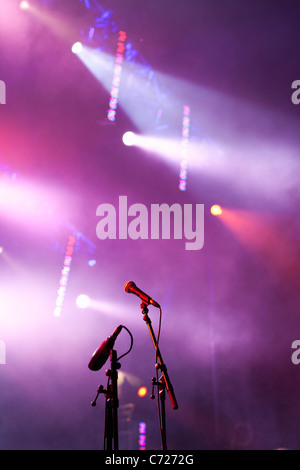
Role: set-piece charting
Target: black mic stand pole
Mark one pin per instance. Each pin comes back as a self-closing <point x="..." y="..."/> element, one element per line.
<point x="164" y="382"/>
<point x="161" y="385"/>
<point x="111" y="435"/>
<point x="114" y="396"/>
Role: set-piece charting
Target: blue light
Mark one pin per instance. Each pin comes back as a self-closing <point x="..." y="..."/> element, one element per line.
<point x="91" y="33"/>
<point x="92" y="262"/>
<point x="142" y="436"/>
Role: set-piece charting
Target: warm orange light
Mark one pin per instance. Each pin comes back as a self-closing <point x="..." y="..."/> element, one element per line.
<point x="142" y="391"/>
<point x="216" y="210"/>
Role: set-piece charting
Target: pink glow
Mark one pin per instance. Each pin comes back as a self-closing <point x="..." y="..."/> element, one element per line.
<point x="34" y="206"/>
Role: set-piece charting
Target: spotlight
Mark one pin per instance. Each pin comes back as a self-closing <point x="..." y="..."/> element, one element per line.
<point x="77" y="48"/>
<point x="216" y="210"/>
<point x="24" y="5"/>
<point x="92" y="262"/>
<point x="82" y="301"/>
<point x="1" y="249"/>
<point x="129" y="138"/>
<point x="142" y="392"/>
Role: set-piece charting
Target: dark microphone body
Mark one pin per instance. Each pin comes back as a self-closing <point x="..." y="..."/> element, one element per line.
<point x="131" y="288"/>
<point x="101" y="354"/>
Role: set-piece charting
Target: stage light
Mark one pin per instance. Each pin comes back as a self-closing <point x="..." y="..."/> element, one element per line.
<point x="92" y="262"/>
<point x="64" y="276"/>
<point x="24" y="5"/>
<point x="77" y="47"/>
<point x="82" y="301"/>
<point x="184" y="147"/>
<point x="114" y="94"/>
<point x="1" y="249"/>
<point x="91" y="33"/>
<point x="216" y="210"/>
<point x="166" y="148"/>
<point x="142" y="436"/>
<point x="129" y="138"/>
<point x="142" y="392"/>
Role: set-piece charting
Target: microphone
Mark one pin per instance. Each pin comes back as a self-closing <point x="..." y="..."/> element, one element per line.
<point x="131" y="288"/>
<point x="101" y="354"/>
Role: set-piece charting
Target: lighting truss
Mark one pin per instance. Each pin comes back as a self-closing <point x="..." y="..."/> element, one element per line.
<point x="158" y="104"/>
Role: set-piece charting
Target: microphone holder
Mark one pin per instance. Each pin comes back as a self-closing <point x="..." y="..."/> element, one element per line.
<point x="163" y="383"/>
<point x="111" y="436"/>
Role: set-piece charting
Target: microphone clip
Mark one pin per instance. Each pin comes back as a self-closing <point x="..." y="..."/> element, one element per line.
<point x="161" y="384"/>
<point x="144" y="308"/>
<point x="100" y="390"/>
<point x="109" y="372"/>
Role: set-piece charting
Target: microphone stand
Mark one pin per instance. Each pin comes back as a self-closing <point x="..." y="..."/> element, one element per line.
<point x="111" y="436"/>
<point x="163" y="383"/>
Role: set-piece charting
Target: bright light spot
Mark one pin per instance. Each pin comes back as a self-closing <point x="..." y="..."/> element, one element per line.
<point x="64" y="276"/>
<point x="24" y="5"/>
<point x="142" y="391"/>
<point x="167" y="148"/>
<point x="216" y="210"/>
<point x="113" y="102"/>
<point x="142" y="436"/>
<point x="2" y="353"/>
<point x="184" y="147"/>
<point x="92" y="262"/>
<point x="129" y="138"/>
<point x="1" y="249"/>
<point x="77" y="48"/>
<point x="82" y="301"/>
